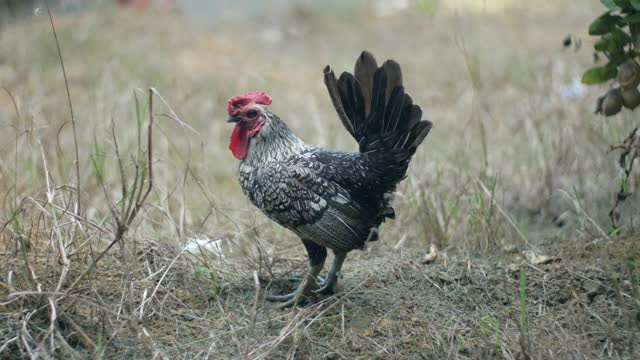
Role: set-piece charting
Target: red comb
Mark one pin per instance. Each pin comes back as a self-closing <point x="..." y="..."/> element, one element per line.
<point x="236" y="103"/>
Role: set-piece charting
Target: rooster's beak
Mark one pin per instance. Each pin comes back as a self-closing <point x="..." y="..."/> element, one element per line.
<point x="233" y="119"/>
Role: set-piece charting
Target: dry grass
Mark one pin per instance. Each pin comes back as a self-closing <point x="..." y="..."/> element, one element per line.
<point x="509" y="166"/>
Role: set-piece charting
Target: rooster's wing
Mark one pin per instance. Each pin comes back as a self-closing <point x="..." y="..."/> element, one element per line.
<point x="316" y="208"/>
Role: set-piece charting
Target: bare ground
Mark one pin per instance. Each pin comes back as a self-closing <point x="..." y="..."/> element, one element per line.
<point x="582" y="305"/>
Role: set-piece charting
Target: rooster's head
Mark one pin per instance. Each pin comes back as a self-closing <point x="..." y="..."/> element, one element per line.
<point x="249" y="113"/>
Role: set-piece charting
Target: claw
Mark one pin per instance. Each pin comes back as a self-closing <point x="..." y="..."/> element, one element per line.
<point x="329" y="286"/>
<point x="299" y="300"/>
<point x="303" y="292"/>
<point x="326" y="290"/>
<point x="280" y="298"/>
<point x="288" y="300"/>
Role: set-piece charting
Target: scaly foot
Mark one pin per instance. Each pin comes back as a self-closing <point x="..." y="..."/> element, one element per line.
<point x="302" y="293"/>
<point x="329" y="286"/>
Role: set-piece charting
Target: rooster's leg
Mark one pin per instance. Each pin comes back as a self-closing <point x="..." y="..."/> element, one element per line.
<point x="317" y="256"/>
<point x="330" y="284"/>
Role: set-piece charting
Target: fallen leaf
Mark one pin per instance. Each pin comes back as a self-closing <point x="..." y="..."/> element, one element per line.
<point x="536" y="259"/>
<point x="513" y="268"/>
<point x="386" y="323"/>
<point x="510" y="249"/>
<point x="431" y="256"/>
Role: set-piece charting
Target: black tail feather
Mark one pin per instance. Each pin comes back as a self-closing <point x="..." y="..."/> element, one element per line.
<point x="332" y="85"/>
<point x="364" y="71"/>
<point x="394" y="76"/>
<point x="375" y="118"/>
<point x="373" y="103"/>
<point x="374" y="108"/>
<point x="421" y="131"/>
<point x="395" y="104"/>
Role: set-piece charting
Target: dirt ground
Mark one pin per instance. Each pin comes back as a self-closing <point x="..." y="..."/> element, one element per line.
<point x="512" y="189"/>
<point x="581" y="305"/>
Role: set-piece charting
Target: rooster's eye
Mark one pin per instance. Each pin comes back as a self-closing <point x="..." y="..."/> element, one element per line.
<point x="252" y="114"/>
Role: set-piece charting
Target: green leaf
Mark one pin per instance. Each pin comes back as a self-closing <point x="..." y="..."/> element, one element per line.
<point x="201" y="271"/>
<point x="138" y="111"/>
<point x="604" y="24"/>
<point x="609" y="4"/>
<point x="98" y="161"/>
<point x="615" y="60"/>
<point x="634" y="29"/>
<point x="612" y="44"/>
<point x="16" y="223"/>
<point x="598" y="75"/>
<point x="602" y="44"/>
<point x="620" y="36"/>
<point x="632" y="19"/>
<point x="615" y="231"/>
<point x="635" y="4"/>
<point x="625" y="4"/>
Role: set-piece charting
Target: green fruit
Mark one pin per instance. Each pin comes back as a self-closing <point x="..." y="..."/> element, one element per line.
<point x="629" y="74"/>
<point x="599" y="105"/>
<point x="631" y="98"/>
<point x="612" y="103"/>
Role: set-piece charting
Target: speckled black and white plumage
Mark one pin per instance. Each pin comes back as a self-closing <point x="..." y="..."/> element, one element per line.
<point x="308" y="193"/>
<point x="334" y="199"/>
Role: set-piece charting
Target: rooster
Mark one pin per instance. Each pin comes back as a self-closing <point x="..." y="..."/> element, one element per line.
<point x="330" y="199"/>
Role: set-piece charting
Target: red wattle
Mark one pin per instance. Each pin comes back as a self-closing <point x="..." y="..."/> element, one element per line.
<point x="240" y="136"/>
<point x="239" y="141"/>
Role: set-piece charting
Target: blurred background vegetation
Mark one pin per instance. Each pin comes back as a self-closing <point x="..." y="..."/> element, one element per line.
<point x="501" y="89"/>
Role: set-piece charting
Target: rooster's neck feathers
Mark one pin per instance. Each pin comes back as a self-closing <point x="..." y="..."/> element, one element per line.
<point x="275" y="142"/>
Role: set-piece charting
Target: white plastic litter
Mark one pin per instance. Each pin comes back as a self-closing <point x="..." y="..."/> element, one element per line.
<point x="201" y="246"/>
